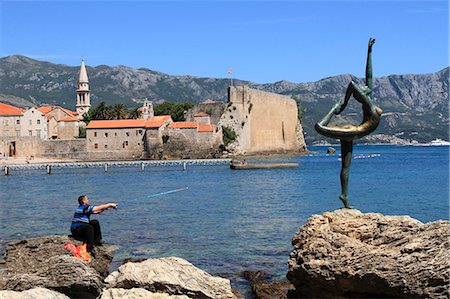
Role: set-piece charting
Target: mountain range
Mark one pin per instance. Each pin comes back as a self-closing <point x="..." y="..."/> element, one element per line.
<point x="415" y="105"/>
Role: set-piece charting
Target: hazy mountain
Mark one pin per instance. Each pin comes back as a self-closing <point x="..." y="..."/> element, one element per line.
<point x="415" y="106"/>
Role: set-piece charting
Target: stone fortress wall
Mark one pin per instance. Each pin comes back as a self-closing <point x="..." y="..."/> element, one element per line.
<point x="264" y="122"/>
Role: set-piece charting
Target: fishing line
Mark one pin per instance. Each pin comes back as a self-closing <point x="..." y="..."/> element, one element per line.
<point x="153" y="195"/>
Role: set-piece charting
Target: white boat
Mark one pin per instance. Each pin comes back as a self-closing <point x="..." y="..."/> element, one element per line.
<point x="439" y="142"/>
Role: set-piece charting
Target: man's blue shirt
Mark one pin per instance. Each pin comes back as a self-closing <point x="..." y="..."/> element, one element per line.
<point x="82" y="214"/>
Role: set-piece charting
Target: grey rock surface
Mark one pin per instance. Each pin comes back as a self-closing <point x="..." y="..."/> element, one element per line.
<point x="36" y="293"/>
<point x="137" y="293"/>
<point x="347" y="253"/>
<point x="174" y="276"/>
<point x="43" y="262"/>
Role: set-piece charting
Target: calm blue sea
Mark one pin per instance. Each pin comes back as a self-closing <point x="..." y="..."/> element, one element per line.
<point x="227" y="221"/>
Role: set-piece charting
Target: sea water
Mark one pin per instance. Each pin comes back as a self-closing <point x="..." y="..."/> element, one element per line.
<point x="227" y="220"/>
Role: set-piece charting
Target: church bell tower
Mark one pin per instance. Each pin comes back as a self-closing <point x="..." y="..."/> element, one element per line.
<point x="83" y="96"/>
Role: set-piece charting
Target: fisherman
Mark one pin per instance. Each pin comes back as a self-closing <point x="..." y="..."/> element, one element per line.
<point x="87" y="230"/>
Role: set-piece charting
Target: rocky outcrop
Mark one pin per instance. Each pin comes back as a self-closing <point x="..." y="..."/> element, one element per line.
<point x="35" y="293"/>
<point x="263" y="288"/>
<point x="174" y="276"/>
<point x="137" y="293"/>
<point x="43" y="262"/>
<point x="347" y="253"/>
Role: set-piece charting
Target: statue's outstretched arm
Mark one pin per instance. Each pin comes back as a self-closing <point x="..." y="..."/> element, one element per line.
<point x="369" y="78"/>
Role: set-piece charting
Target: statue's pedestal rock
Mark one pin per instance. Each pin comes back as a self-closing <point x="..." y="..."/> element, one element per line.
<point x="347" y="253"/>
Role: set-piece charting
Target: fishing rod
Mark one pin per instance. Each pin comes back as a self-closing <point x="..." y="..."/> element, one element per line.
<point x="157" y="194"/>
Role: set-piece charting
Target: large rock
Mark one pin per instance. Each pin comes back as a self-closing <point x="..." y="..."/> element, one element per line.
<point x="36" y="293"/>
<point x="264" y="288"/>
<point x="174" y="276"/>
<point x="137" y="293"/>
<point x="43" y="262"/>
<point x="346" y="253"/>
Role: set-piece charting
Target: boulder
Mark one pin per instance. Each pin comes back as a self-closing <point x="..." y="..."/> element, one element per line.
<point x="36" y="293"/>
<point x="264" y="288"/>
<point x="174" y="276"/>
<point x="43" y="262"/>
<point x="137" y="293"/>
<point x="347" y="253"/>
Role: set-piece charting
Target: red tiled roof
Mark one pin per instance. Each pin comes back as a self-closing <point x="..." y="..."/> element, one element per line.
<point x="10" y="110"/>
<point x="69" y="111"/>
<point x="69" y="118"/>
<point x="48" y="116"/>
<point x="46" y="109"/>
<point x="116" y="124"/>
<point x="158" y="121"/>
<point x="201" y="114"/>
<point x="183" y="125"/>
<point x="205" y="128"/>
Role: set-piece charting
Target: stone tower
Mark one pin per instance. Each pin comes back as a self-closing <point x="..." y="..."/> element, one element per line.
<point x="83" y="96"/>
<point x="147" y="110"/>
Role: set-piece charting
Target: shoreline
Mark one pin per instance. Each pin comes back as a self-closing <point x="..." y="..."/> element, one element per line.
<point x="20" y="161"/>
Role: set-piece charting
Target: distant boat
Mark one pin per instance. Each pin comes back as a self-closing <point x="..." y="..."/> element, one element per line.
<point x="240" y="166"/>
<point x="439" y="142"/>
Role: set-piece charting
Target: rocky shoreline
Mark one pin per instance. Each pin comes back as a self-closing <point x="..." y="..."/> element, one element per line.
<point x="339" y="254"/>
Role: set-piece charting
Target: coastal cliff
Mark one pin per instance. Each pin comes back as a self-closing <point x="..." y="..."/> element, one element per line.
<point x="348" y="254"/>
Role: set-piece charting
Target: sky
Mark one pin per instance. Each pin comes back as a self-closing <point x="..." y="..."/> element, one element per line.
<point x="260" y="41"/>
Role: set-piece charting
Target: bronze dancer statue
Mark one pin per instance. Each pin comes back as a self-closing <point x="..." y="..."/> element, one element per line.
<point x="346" y="134"/>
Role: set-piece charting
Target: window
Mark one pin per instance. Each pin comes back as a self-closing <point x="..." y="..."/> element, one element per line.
<point x="30" y="133"/>
<point x="96" y="145"/>
<point x="115" y="134"/>
<point x="18" y="122"/>
<point x="38" y="121"/>
<point x="30" y="122"/>
<point x="38" y="133"/>
<point x="106" y="134"/>
<point x="95" y="134"/>
<point x="128" y="133"/>
<point x="17" y="133"/>
<point x="106" y="146"/>
<point x="126" y="143"/>
<point x="6" y="122"/>
<point x="138" y="132"/>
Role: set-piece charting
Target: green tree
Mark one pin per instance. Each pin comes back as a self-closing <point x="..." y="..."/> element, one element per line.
<point x="135" y="113"/>
<point x="119" y="111"/>
<point x="176" y="110"/>
<point x="82" y="132"/>
<point x="299" y="107"/>
<point x="102" y="111"/>
<point x="229" y="135"/>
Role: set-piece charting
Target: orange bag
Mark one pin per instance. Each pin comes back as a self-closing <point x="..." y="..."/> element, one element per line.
<point x="79" y="251"/>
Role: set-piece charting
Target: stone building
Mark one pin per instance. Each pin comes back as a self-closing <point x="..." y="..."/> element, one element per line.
<point x="191" y="139"/>
<point x="125" y="138"/>
<point x="10" y="120"/>
<point x="70" y="126"/>
<point x="33" y="123"/>
<point x="22" y="131"/>
<point x="264" y="122"/>
<point x="154" y="134"/>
